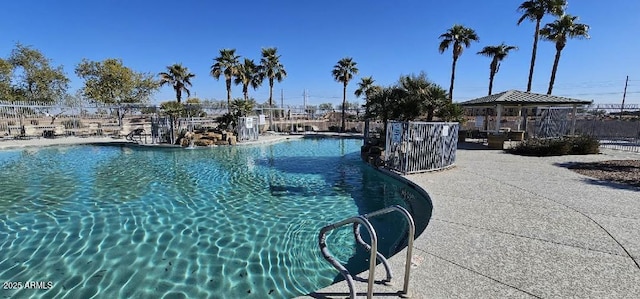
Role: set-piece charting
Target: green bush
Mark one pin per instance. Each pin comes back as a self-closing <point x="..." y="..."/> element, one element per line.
<point x="584" y="145"/>
<point x="573" y="145"/>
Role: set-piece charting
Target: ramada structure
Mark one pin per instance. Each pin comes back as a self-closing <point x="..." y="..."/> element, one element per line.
<point x="521" y="102"/>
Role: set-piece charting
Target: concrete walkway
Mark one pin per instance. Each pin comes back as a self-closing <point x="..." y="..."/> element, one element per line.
<point x="507" y="226"/>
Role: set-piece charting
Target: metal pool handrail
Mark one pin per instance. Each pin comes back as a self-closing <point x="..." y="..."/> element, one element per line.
<point x="372" y="258"/>
<point x="363" y="220"/>
<point x="412" y="232"/>
<point x="381" y="258"/>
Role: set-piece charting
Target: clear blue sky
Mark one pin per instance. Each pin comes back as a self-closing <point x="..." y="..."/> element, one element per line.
<point x="386" y="38"/>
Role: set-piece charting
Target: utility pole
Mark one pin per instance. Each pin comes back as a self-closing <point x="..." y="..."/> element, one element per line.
<point x="304" y="102"/>
<point x="624" y="95"/>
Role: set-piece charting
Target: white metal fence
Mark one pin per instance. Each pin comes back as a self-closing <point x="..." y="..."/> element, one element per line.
<point x="413" y="147"/>
<point x="248" y="129"/>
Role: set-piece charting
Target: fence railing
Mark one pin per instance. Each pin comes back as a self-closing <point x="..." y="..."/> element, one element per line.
<point x="413" y="147"/>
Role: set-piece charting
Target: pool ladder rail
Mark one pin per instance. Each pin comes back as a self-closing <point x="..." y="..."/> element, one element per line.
<point x="363" y="220"/>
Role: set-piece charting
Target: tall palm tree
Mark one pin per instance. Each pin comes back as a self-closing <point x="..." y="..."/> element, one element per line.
<point x="497" y="53"/>
<point x="179" y="78"/>
<point x="248" y="74"/>
<point x="558" y="32"/>
<point x="535" y="10"/>
<point x="226" y="64"/>
<point x="457" y="35"/>
<point x="272" y="69"/>
<point x="343" y="72"/>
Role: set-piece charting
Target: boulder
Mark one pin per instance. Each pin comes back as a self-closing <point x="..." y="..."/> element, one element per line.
<point x="203" y="142"/>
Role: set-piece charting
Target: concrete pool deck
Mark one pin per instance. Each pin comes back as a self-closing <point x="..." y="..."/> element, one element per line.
<point x="506" y="226"/>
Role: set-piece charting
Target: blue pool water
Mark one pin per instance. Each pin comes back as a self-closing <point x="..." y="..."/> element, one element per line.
<point x="225" y="222"/>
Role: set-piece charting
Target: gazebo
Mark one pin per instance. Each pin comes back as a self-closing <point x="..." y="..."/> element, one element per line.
<point x="523" y="100"/>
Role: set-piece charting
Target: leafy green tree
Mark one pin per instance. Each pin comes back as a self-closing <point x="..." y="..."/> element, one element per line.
<point x="226" y="64"/>
<point x="179" y="78"/>
<point x="458" y="36"/>
<point x="343" y="72"/>
<point x="272" y="69"/>
<point x="326" y="107"/>
<point x="39" y="81"/>
<point x="6" y="70"/>
<point x="110" y="82"/>
<point x="451" y="112"/>
<point x="558" y="32"/>
<point x="248" y="74"/>
<point x="535" y="10"/>
<point x="497" y="54"/>
<point x="194" y="108"/>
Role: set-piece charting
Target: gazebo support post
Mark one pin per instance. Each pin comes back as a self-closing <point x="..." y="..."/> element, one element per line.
<point x="573" y="121"/>
<point x="519" y="116"/>
<point x="498" y="116"/>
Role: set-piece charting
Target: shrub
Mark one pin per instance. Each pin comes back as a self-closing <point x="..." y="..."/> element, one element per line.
<point x="574" y="145"/>
<point x="584" y="145"/>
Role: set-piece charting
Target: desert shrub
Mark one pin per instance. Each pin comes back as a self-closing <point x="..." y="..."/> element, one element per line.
<point x="584" y="145"/>
<point x="573" y="145"/>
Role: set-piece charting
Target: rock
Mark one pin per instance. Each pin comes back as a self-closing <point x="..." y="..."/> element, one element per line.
<point x="232" y="140"/>
<point x="203" y="142"/>
<point x="185" y="142"/>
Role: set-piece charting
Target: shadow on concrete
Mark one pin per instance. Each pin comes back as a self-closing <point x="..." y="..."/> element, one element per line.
<point x="472" y="146"/>
<point x="620" y="182"/>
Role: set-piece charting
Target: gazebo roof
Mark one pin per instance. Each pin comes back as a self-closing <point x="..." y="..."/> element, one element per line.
<point x="516" y="97"/>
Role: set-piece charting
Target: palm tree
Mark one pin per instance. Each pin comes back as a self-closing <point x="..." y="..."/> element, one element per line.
<point x="558" y="32"/>
<point x="457" y="35"/>
<point x="227" y="64"/>
<point x="497" y="53"/>
<point x="248" y="74"/>
<point x="365" y="87"/>
<point x="343" y="72"/>
<point x="272" y="69"/>
<point x="179" y="78"/>
<point x="535" y="10"/>
<point x="437" y="99"/>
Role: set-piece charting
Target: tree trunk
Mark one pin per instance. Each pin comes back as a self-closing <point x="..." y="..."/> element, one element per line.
<point x="453" y="77"/>
<point x="245" y="92"/>
<point x="492" y="74"/>
<point x="270" y="103"/>
<point x="533" y="54"/>
<point x="344" y="103"/>
<point x="228" y="95"/>
<point x="553" y="71"/>
<point x="178" y="95"/>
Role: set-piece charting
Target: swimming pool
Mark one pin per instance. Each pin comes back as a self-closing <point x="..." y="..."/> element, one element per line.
<point x="225" y="222"/>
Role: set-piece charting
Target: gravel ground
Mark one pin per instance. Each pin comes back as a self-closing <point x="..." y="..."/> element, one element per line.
<point x="620" y="171"/>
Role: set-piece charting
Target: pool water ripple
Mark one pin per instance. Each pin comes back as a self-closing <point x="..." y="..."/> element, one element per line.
<point x="228" y="222"/>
